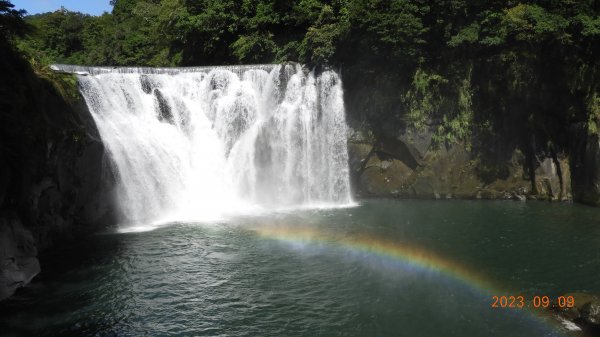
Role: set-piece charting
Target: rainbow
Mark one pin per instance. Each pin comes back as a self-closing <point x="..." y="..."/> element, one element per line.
<point x="411" y="256"/>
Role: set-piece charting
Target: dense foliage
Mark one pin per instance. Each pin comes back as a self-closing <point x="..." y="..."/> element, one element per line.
<point x="11" y="21"/>
<point x="516" y="74"/>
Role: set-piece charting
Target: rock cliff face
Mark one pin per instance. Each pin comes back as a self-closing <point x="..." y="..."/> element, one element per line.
<point x="53" y="181"/>
<point x="18" y="255"/>
<point x="585" y="163"/>
<point x="472" y="135"/>
<point x="407" y="166"/>
<point x="585" y="313"/>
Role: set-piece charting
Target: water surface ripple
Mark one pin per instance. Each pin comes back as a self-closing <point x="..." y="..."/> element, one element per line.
<point x="230" y="279"/>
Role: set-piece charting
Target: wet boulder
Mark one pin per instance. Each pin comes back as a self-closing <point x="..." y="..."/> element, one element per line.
<point x="18" y="256"/>
<point x="147" y="84"/>
<point x="585" y="313"/>
<point x="165" y="114"/>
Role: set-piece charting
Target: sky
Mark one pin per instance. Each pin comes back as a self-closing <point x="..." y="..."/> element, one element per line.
<point x="93" y="7"/>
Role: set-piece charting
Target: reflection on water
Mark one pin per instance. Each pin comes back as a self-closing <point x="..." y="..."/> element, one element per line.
<point x="385" y="268"/>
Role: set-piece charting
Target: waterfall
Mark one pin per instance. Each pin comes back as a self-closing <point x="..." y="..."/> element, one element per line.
<point x="207" y="142"/>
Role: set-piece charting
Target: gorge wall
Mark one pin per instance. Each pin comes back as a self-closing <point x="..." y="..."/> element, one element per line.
<point x="53" y="185"/>
<point x="407" y="167"/>
<point x="474" y="133"/>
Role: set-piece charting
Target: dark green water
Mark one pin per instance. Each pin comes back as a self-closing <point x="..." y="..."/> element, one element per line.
<point x="227" y="280"/>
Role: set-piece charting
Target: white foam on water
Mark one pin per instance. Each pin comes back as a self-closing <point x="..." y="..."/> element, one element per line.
<point x="569" y="325"/>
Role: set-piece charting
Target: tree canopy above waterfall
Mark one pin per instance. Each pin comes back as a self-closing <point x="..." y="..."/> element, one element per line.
<point x="180" y="32"/>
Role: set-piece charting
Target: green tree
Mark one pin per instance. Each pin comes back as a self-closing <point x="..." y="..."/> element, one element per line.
<point x="11" y="21"/>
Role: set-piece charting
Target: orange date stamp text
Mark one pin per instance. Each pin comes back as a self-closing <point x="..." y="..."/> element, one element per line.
<point x="536" y="302"/>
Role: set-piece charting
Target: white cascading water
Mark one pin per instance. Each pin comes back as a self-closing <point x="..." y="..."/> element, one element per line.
<point x="204" y="143"/>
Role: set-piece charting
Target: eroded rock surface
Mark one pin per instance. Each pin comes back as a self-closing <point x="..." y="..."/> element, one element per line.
<point x="407" y="166"/>
<point x="585" y="314"/>
<point x="55" y="181"/>
<point x="18" y="256"/>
